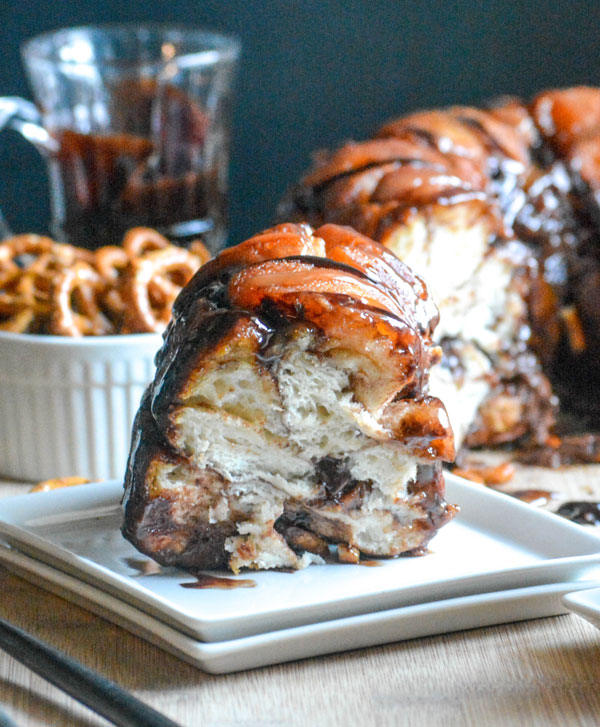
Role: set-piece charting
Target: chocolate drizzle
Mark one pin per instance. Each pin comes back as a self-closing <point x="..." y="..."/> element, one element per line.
<point x="582" y="513"/>
<point x="333" y="476"/>
<point x="205" y="580"/>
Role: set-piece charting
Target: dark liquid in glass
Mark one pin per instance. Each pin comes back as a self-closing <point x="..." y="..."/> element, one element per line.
<point x="111" y="183"/>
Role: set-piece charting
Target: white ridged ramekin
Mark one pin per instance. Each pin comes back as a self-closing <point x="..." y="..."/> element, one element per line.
<point x="67" y="404"/>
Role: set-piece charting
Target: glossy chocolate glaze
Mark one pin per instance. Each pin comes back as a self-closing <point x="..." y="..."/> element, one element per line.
<point x="334" y="479"/>
<point x="205" y="580"/>
<point x="583" y="513"/>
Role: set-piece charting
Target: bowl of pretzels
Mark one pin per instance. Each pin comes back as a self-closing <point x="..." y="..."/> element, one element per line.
<point x="79" y="330"/>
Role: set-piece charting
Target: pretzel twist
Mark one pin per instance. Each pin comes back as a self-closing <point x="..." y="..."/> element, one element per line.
<point x="140" y="240"/>
<point x="151" y="285"/>
<point x="77" y="312"/>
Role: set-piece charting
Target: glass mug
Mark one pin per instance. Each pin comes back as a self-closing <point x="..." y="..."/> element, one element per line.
<point x="134" y="124"/>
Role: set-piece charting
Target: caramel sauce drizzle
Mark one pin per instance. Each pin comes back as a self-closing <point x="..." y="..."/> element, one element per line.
<point x="204" y="580"/>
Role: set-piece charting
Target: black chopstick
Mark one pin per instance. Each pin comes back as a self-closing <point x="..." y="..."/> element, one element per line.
<point x="5" y="720"/>
<point x="99" y="694"/>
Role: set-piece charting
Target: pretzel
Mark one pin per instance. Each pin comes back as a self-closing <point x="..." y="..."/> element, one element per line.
<point x="140" y="240"/>
<point x="66" y="255"/>
<point x="110" y="261"/>
<point x="29" y="244"/>
<point x="16" y="313"/>
<point x="12" y="251"/>
<point x="9" y="269"/>
<point x="151" y="285"/>
<point x="26" y="297"/>
<point x="17" y="321"/>
<point x="35" y="282"/>
<point x="77" y="312"/>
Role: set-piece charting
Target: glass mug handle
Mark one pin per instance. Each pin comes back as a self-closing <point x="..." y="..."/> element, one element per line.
<point x="23" y="116"/>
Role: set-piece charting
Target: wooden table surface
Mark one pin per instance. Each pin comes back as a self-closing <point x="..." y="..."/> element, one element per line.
<point x="541" y="672"/>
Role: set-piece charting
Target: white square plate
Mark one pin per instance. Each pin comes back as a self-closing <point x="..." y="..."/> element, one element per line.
<point x="496" y="543"/>
<point x="585" y="604"/>
<point x="329" y="637"/>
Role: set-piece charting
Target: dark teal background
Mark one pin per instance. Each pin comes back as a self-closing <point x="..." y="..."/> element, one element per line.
<point x="315" y="73"/>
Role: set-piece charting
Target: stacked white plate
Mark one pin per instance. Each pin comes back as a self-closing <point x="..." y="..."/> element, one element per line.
<point x="499" y="561"/>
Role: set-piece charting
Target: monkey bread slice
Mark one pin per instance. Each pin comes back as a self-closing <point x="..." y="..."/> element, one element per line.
<point x="290" y="410"/>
